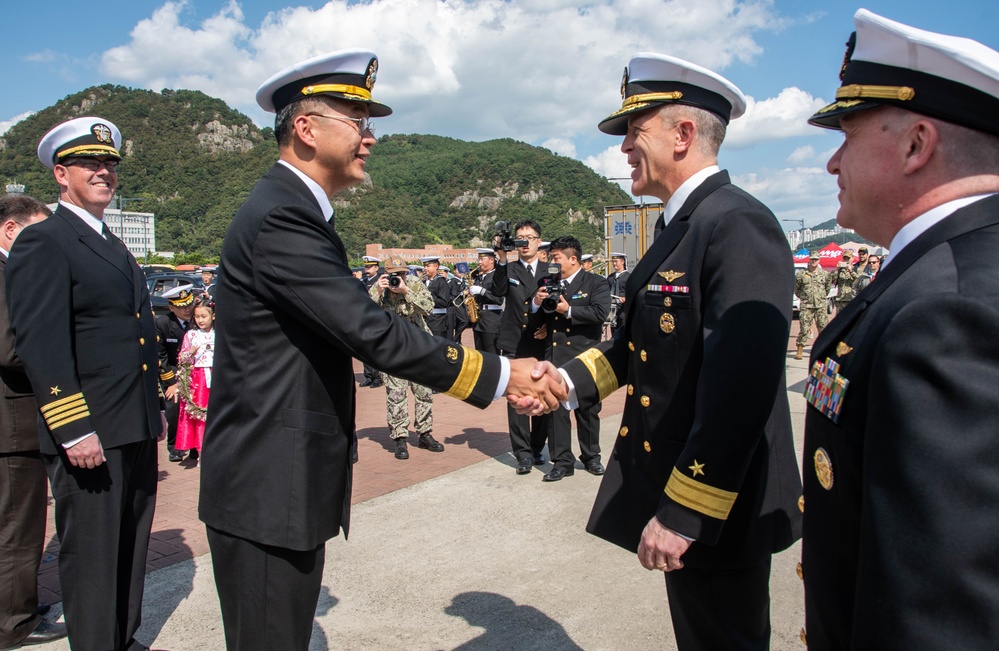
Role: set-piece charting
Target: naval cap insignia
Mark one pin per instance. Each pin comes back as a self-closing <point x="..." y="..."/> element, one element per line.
<point x="823" y="469"/>
<point x="372" y="74"/>
<point x="624" y="84"/>
<point x="850" y="45"/>
<point x="671" y="275"/>
<point x="101" y="132"/>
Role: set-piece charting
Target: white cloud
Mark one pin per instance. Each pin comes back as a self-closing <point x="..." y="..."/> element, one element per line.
<point x="612" y="164"/>
<point x="561" y="146"/>
<point x="802" y="155"/>
<point x="793" y="193"/>
<point x="541" y="71"/>
<point x="777" y="118"/>
<point x="6" y="124"/>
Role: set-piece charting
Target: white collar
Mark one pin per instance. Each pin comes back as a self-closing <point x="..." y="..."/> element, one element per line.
<point x="89" y="220"/>
<point x="685" y="190"/>
<point x="924" y="222"/>
<point x="324" y="202"/>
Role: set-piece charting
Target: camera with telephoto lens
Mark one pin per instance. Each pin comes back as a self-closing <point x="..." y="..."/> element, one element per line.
<point x="552" y="283"/>
<point x="395" y="280"/>
<point x="505" y="236"/>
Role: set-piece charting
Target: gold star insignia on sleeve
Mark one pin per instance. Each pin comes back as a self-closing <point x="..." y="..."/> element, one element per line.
<point x="55" y="391"/>
<point x="697" y="468"/>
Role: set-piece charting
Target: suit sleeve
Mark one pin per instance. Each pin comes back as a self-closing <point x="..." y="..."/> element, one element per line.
<point x="39" y="286"/>
<point x="746" y="323"/>
<point x="599" y="371"/>
<point x="929" y="478"/>
<point x="300" y="267"/>
<point x="489" y="295"/>
<point x="168" y="373"/>
<point x="8" y="358"/>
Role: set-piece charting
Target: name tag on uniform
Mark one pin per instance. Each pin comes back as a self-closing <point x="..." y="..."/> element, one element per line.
<point x="826" y="388"/>
<point x="172" y="341"/>
<point x="575" y="296"/>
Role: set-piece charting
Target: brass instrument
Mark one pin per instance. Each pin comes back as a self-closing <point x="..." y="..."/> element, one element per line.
<point x="471" y="305"/>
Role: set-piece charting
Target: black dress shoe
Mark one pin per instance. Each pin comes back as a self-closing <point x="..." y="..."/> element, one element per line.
<point x="376" y="384"/>
<point x="538" y="459"/>
<point x="45" y="632"/>
<point x="366" y="383"/>
<point x="524" y="466"/>
<point x="558" y="473"/>
<point x="193" y="454"/>
<point x="595" y="468"/>
<point x="401" y="449"/>
<point x="428" y="442"/>
<point x="176" y="456"/>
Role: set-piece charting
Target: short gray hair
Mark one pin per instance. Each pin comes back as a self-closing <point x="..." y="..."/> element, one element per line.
<point x="710" y="127"/>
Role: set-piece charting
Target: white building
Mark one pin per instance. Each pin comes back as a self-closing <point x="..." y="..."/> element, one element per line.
<point x="136" y="229"/>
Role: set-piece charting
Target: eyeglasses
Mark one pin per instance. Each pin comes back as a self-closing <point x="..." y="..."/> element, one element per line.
<point x="363" y="124"/>
<point x="529" y="237"/>
<point x="92" y="164"/>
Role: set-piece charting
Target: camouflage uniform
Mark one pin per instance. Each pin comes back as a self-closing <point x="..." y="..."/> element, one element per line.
<point x="413" y="307"/>
<point x="843" y="278"/>
<point x="811" y="288"/>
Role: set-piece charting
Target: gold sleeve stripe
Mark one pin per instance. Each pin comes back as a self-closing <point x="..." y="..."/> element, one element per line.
<point x="603" y="374"/>
<point x="166" y="376"/>
<point x="68" y="417"/>
<point x="55" y="404"/>
<point x="471" y="368"/>
<point x="712" y="502"/>
<point x="56" y="414"/>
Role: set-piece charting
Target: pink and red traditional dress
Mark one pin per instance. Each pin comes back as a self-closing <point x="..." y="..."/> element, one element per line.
<point x="196" y="356"/>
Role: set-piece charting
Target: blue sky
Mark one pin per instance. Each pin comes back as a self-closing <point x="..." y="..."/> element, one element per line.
<point x="544" y="72"/>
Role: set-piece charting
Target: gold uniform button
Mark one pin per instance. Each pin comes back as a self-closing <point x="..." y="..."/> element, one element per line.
<point x="137" y="316"/>
<point x="145" y="368"/>
<point x="644" y="355"/>
<point x="801" y="573"/>
<point x="568" y="330"/>
<point x="631" y="390"/>
<point x="646" y="401"/>
<point x="668" y="302"/>
<point x="648" y="447"/>
<point x="624" y="431"/>
<point x="801" y="503"/>
<point x="142" y="341"/>
<point x="554" y="343"/>
<point x="631" y="346"/>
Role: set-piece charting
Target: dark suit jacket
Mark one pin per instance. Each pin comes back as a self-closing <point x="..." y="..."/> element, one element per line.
<point x="515" y="282"/>
<point x="290" y="316"/>
<point x="900" y="547"/>
<point x="705" y="443"/>
<point x="18" y="408"/>
<point x="489" y="320"/>
<point x="169" y="337"/>
<point x="589" y="301"/>
<point x="84" y="329"/>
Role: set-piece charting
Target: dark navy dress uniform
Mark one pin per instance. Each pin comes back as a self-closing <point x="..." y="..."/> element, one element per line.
<point x="487" y="328"/>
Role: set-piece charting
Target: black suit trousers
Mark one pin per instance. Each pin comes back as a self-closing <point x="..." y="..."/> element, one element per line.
<point x="103" y="517"/>
<point x="172" y="416"/>
<point x="587" y="432"/>
<point x="528" y="434"/>
<point x="720" y="609"/>
<point x="268" y="594"/>
<point x="22" y="537"/>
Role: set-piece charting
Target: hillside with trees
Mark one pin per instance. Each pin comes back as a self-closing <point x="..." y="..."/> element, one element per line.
<point x="191" y="160"/>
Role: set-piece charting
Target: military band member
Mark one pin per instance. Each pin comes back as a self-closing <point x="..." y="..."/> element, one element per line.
<point x="617" y="281"/>
<point x="703" y="482"/>
<point x="490" y="304"/>
<point x="84" y="329"/>
<point x="811" y="286"/>
<point x="901" y="454"/>
<point x="276" y="475"/>
<point x="440" y="289"/>
<point x="170" y="330"/>
<point x="458" y="310"/>
<point x="573" y="321"/>
<point x="586" y="262"/>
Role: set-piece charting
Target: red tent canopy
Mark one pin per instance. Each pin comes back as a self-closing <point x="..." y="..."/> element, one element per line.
<point x="831" y="255"/>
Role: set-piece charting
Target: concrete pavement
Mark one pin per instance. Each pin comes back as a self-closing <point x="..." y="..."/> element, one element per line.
<point x="450" y="551"/>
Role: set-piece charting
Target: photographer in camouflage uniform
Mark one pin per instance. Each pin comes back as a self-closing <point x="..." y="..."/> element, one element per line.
<point x="811" y="286"/>
<point x="409" y="298"/>
<point x="842" y="279"/>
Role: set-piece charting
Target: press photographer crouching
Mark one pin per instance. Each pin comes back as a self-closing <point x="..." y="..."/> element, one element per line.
<point x="572" y="304"/>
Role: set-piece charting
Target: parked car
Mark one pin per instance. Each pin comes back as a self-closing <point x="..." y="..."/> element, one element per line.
<point x="160" y="283"/>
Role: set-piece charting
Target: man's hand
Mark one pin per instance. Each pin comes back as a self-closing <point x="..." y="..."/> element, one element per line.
<point x="533" y="405"/>
<point x="661" y="548"/>
<point x="540" y="296"/>
<point x="535" y="388"/>
<point x="163" y="424"/>
<point x="172" y="392"/>
<point x="88" y="453"/>
<point x="563" y="305"/>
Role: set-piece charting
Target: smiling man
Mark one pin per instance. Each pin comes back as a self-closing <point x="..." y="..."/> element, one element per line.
<point x="276" y="475"/>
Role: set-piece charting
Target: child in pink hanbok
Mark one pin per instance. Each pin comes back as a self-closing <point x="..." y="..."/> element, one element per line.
<point x="195" y="376"/>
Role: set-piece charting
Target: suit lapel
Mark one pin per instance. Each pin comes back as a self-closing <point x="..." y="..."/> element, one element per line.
<point x="980" y="214"/>
<point x="92" y="240"/>
<point x="285" y="175"/>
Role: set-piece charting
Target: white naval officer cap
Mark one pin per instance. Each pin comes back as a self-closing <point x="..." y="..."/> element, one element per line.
<point x="586" y="256"/>
<point x="430" y="258"/>
<point x="483" y="251"/>
<point x="651" y="80"/>
<point x="86" y="136"/>
<point x="951" y="78"/>
<point x="346" y="74"/>
<point x="370" y="260"/>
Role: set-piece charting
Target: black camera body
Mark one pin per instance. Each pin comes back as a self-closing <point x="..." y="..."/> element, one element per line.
<point x="505" y="236"/>
<point x="551" y="283"/>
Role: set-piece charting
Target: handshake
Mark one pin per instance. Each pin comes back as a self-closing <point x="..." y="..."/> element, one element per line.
<point x="535" y="387"/>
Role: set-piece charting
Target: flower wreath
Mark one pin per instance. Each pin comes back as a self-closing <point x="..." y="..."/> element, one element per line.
<point x="191" y="408"/>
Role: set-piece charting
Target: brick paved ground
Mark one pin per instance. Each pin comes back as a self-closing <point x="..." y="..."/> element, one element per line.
<point x="469" y="435"/>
